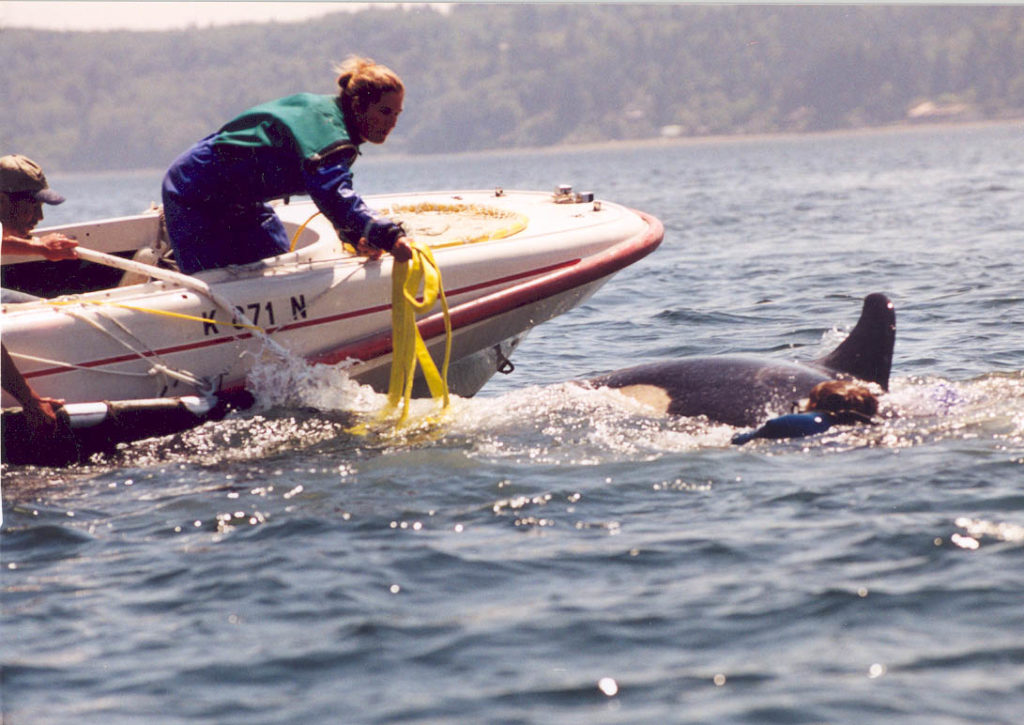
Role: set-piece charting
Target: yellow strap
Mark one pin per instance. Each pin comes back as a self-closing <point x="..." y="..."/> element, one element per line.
<point x="408" y="346"/>
<point x="407" y="343"/>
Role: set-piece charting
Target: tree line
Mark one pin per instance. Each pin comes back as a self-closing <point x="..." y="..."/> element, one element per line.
<point x="491" y="76"/>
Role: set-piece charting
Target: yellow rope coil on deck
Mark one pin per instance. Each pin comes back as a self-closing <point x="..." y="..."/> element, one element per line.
<point x="468" y="214"/>
<point x="513" y="221"/>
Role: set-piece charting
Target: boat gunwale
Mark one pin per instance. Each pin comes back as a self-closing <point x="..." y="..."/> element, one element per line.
<point x="553" y="280"/>
<point x="309" y="258"/>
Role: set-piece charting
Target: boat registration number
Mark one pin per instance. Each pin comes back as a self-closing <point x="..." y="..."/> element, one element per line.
<point x="261" y="314"/>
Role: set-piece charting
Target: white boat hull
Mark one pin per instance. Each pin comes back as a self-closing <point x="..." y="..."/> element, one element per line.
<point x="159" y="339"/>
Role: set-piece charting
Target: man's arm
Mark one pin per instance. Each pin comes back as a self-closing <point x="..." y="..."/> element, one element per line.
<point x="53" y="247"/>
<point x="40" y="413"/>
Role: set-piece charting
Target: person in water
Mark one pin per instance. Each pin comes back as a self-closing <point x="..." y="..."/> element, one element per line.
<point x="215" y="194"/>
<point x="834" y="402"/>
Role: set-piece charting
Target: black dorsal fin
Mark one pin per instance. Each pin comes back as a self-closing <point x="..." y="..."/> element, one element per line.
<point x="866" y="353"/>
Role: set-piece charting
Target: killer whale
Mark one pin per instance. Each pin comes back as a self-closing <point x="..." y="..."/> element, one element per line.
<point x="744" y="390"/>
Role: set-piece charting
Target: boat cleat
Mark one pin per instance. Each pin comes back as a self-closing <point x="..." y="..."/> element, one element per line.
<point x="565" y="195"/>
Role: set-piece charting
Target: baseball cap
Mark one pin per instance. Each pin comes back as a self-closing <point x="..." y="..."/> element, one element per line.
<point x="22" y="175"/>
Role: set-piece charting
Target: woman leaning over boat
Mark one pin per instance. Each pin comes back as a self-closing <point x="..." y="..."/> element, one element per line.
<point x="215" y="194"/>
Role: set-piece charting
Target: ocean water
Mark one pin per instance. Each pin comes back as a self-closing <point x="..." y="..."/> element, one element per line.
<point x="558" y="555"/>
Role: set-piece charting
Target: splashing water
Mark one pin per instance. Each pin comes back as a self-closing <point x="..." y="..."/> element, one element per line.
<point x="935" y="408"/>
<point x="573" y="425"/>
<point x="561" y="423"/>
<point x="289" y="381"/>
<point x="568" y="424"/>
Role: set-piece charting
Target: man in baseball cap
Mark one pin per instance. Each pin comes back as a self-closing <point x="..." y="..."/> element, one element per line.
<point x="23" y="191"/>
<point x="22" y="175"/>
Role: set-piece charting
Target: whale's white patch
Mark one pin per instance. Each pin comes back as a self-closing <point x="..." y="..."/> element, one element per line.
<point x="650" y="395"/>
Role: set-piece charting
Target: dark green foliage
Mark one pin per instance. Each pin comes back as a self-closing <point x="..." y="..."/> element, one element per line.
<point x="500" y="76"/>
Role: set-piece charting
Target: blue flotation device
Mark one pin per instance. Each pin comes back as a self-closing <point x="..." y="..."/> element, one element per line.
<point x="794" y="425"/>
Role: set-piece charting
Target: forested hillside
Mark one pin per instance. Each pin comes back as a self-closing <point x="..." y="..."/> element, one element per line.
<point x="502" y="76"/>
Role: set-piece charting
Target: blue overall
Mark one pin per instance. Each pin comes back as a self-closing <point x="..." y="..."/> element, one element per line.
<point x="215" y="193"/>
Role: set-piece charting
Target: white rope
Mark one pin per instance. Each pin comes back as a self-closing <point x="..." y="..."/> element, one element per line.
<point x="161" y="367"/>
<point x="140" y="348"/>
<point x="143" y="351"/>
<point x="183" y="280"/>
<point x="64" y="364"/>
<point x="156" y="369"/>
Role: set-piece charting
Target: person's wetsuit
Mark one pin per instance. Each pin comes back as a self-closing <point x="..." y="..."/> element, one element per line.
<point x="793" y="425"/>
<point x="797" y="425"/>
<point x="215" y="193"/>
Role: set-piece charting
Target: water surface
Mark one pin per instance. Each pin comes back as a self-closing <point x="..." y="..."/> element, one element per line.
<point x="561" y="555"/>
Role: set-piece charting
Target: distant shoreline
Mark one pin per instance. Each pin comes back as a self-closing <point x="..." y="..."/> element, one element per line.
<point x="384" y="156"/>
<point x="668" y="142"/>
